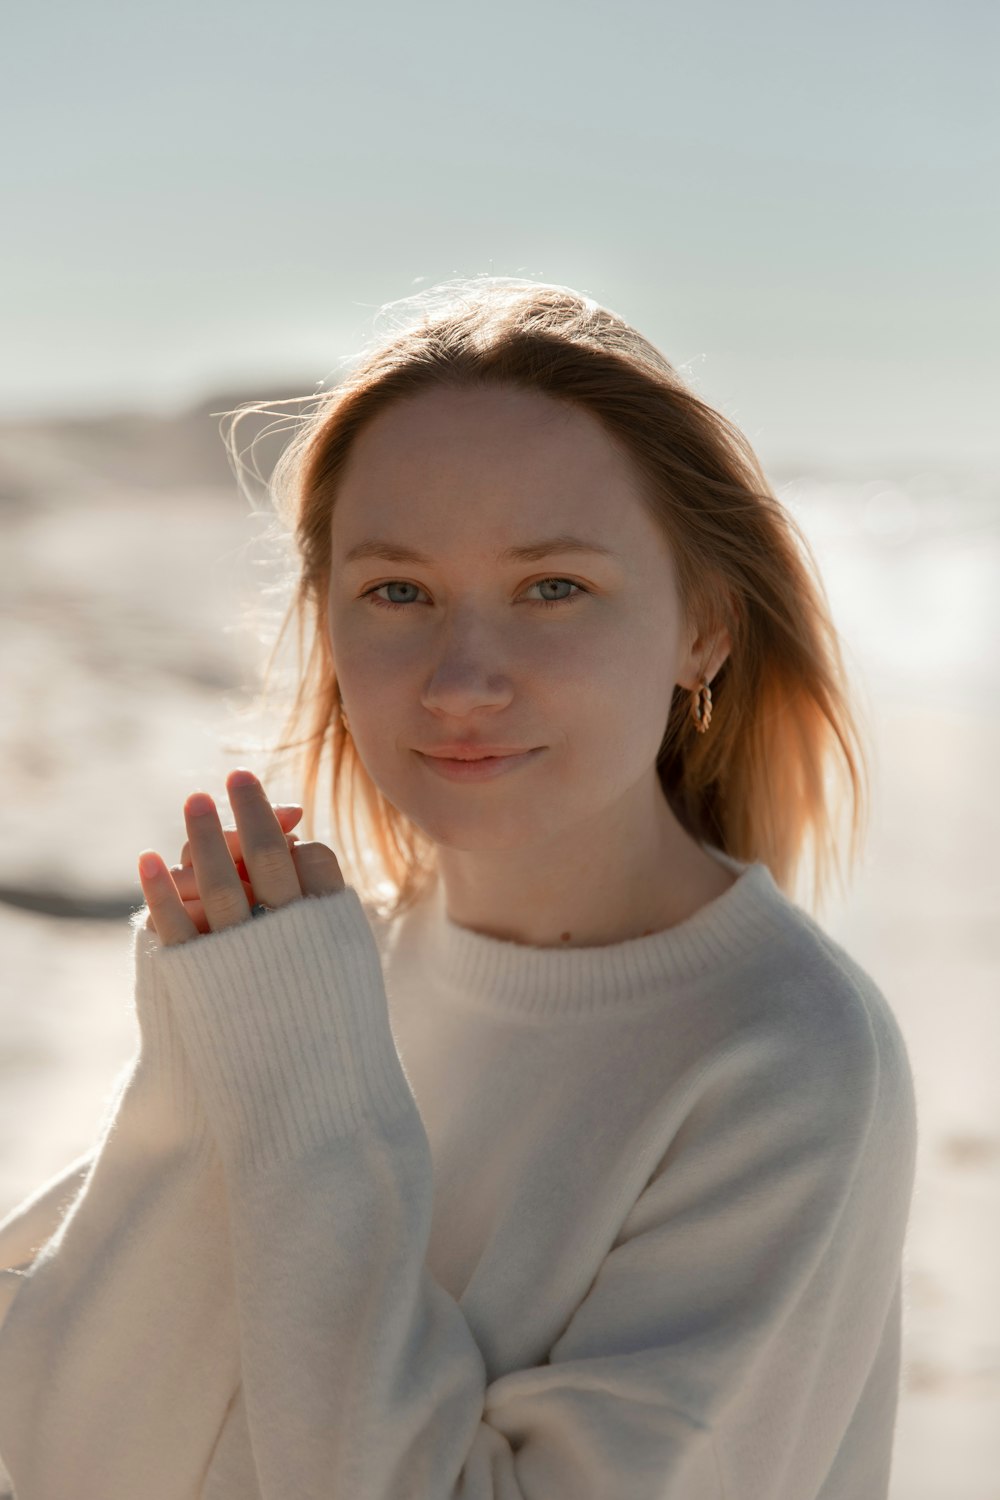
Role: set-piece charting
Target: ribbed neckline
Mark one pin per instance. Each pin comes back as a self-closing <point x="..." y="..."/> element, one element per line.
<point x="550" y="981"/>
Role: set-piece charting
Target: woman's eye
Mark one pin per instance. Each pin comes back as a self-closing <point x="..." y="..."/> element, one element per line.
<point x="566" y="598"/>
<point x="542" y="583"/>
<point x="372" y="594"/>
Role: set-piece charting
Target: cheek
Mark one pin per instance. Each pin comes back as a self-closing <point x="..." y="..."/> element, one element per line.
<point x="625" y="668"/>
<point x="365" y="656"/>
<point x="581" y="654"/>
<point x="623" y="699"/>
<point x="594" y="664"/>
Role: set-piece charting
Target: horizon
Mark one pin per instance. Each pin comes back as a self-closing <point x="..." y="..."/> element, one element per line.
<point x="789" y="452"/>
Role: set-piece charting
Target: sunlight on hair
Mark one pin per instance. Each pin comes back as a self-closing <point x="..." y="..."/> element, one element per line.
<point x="781" y="777"/>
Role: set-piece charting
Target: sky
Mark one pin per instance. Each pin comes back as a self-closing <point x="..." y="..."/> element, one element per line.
<point x="796" y="202"/>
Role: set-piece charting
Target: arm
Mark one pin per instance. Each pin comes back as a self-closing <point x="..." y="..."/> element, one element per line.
<point x="34" y="1221"/>
<point x="36" y="1218"/>
<point x="361" y="1375"/>
<point x="120" y="1344"/>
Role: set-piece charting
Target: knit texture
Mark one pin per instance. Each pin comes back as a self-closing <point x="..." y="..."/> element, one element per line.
<point x="397" y="1211"/>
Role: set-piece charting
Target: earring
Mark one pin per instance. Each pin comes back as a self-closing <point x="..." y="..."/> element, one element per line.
<point x="701" y="706"/>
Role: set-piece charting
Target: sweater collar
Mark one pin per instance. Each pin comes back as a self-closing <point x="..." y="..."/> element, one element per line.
<point x="497" y="974"/>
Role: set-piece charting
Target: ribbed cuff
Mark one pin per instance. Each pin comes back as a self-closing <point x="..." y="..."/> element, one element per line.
<point x="161" y="1092"/>
<point x="286" y="1022"/>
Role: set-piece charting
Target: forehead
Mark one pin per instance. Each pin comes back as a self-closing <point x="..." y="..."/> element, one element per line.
<point x="502" y="464"/>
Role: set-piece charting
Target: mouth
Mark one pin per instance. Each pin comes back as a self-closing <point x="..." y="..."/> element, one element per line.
<point x="458" y="753"/>
<point x="476" y="767"/>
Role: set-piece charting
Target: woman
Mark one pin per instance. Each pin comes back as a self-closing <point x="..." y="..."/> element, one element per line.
<point x="582" y="1168"/>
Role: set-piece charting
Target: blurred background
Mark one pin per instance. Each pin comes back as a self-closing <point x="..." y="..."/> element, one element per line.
<point x="210" y="203"/>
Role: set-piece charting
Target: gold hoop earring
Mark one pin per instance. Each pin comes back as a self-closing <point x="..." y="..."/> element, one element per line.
<point x="701" y="706"/>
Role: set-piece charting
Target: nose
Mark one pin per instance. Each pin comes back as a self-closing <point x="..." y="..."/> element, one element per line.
<point x="466" y="678"/>
<point x="459" y="692"/>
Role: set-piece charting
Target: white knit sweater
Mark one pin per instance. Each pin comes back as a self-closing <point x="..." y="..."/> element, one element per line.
<point x="397" y="1211"/>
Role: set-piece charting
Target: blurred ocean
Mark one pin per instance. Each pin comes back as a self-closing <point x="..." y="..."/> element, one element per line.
<point x="127" y="561"/>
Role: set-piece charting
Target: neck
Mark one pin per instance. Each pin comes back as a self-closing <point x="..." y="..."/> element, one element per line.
<point x="628" y="873"/>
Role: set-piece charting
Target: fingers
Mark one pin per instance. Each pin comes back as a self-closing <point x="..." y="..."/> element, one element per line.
<point x="263" y="845"/>
<point x="186" y="882"/>
<point x="318" y="869"/>
<point x="223" y="871"/>
<point x="316" y="865"/>
<point x="219" y="885"/>
<point x="184" y="876"/>
<point x="166" y="909"/>
<point x="287" y="814"/>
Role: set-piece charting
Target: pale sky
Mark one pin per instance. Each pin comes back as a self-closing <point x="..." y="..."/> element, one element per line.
<point x="797" y="202"/>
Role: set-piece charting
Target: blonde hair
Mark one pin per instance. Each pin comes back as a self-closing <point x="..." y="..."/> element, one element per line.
<point x="784" y="741"/>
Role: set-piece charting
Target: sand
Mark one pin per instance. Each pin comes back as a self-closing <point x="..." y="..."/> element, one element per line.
<point x="119" y="681"/>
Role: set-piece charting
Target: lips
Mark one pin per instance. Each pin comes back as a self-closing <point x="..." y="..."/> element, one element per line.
<point x="466" y="768"/>
<point x="474" y="752"/>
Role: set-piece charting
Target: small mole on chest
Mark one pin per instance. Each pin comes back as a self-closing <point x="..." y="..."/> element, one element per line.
<point x="566" y="936"/>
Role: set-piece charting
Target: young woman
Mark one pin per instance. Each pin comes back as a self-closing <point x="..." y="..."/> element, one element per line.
<point x="581" y="1168"/>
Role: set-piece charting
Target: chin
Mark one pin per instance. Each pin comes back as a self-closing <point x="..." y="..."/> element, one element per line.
<point x="476" y="830"/>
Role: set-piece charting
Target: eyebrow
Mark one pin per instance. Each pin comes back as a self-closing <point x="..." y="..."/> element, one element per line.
<point x="530" y="552"/>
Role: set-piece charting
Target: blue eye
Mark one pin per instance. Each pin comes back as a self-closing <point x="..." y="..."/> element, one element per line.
<point x="372" y="594"/>
<point x="566" y="599"/>
<point x="398" y="583"/>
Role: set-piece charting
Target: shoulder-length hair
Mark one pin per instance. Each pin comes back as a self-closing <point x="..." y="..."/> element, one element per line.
<point x="783" y="747"/>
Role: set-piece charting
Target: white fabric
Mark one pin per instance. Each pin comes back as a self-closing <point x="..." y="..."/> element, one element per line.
<point x="396" y="1211"/>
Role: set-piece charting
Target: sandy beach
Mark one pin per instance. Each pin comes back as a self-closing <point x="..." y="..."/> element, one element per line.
<point x="122" y="676"/>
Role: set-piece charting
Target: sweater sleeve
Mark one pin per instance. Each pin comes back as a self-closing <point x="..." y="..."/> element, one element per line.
<point x="24" y="1230"/>
<point x="118" y="1352"/>
<point x="361" y="1375"/>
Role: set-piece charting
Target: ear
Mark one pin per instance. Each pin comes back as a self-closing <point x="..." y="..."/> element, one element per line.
<point x="705" y="656"/>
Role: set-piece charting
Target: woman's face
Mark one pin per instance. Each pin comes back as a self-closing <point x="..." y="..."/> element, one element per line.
<point x="574" y="653"/>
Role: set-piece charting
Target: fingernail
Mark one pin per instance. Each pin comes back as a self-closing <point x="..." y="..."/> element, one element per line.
<point x="242" y="777"/>
<point x="200" y="803"/>
<point x="149" y="864"/>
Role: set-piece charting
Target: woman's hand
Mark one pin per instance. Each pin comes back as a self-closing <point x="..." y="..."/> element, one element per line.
<point x="287" y="814"/>
<point x="276" y="871"/>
